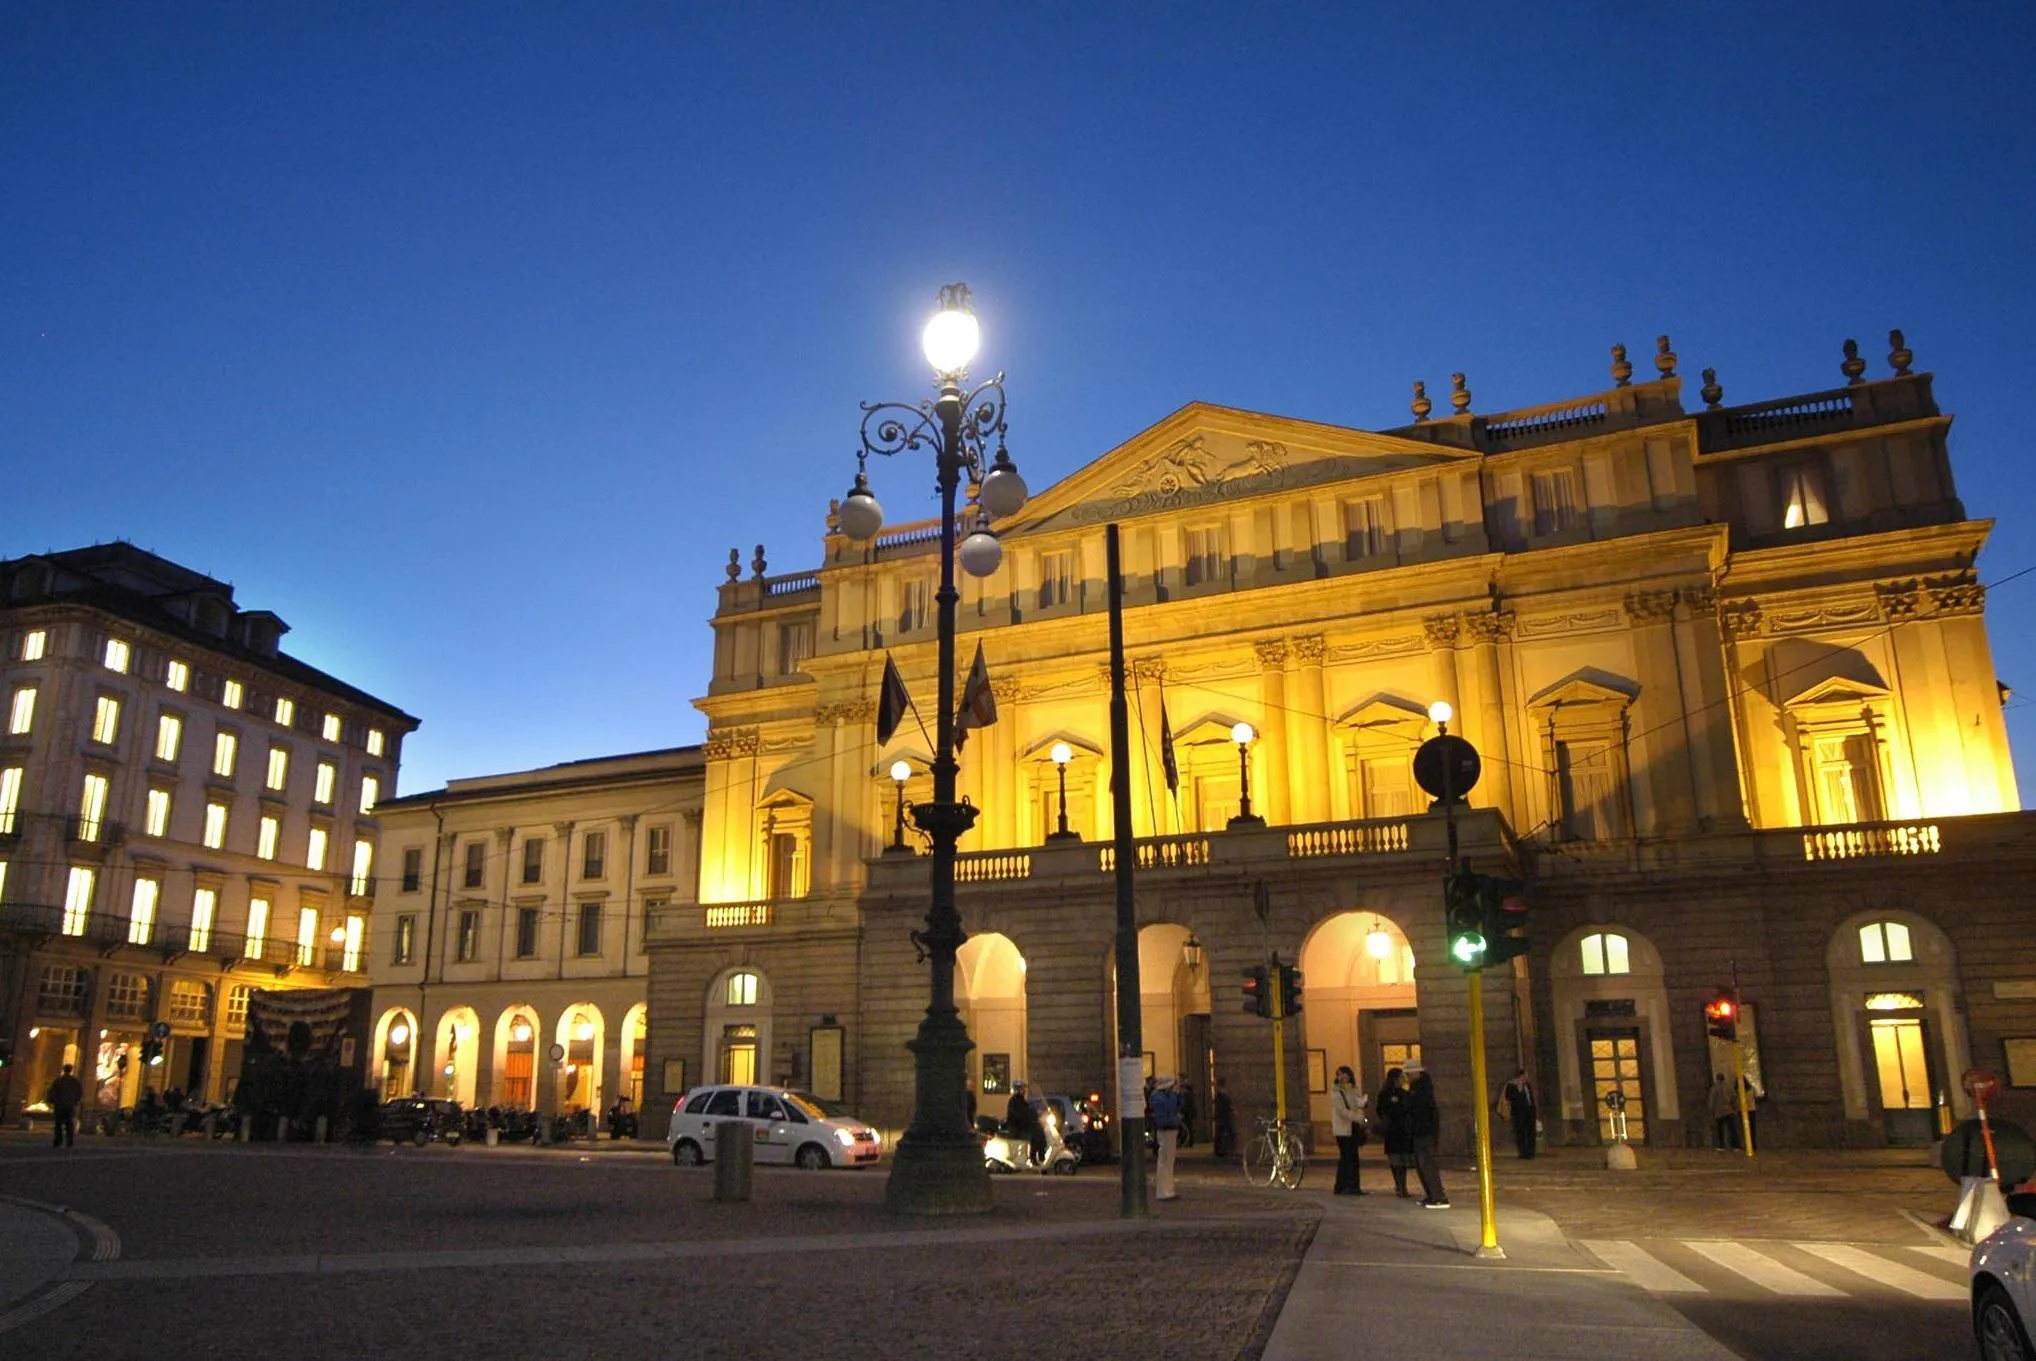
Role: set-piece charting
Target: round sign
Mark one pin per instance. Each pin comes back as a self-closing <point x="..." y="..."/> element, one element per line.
<point x="558" y="1053"/>
<point x="161" y="1030"/>
<point x="1447" y="757"/>
<point x="1615" y="1100"/>
<point x="1980" y="1084"/>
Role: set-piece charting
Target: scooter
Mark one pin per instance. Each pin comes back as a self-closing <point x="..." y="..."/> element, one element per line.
<point x="1005" y="1152"/>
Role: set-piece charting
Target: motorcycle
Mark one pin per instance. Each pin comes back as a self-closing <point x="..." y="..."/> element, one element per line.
<point x="1005" y="1152"/>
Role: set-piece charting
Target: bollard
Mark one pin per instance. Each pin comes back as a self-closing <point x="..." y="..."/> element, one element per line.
<point x="494" y="1136"/>
<point x="247" y="1129"/>
<point x="1619" y="1157"/>
<point x="211" y="1123"/>
<point x="319" y="1129"/>
<point x="734" y="1159"/>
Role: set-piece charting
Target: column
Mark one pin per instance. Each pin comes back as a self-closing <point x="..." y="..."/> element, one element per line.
<point x="1269" y="790"/>
<point x="1151" y="805"/>
<point x="1489" y="732"/>
<point x="1660" y="755"/>
<point x="1755" y="732"/>
<point x="1443" y="631"/>
<point x="1308" y="732"/>
<point x="1001" y="768"/>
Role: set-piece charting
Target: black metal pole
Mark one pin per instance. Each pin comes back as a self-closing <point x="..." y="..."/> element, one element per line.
<point x="1062" y="767"/>
<point x="1130" y="1023"/>
<point x="1244" y="781"/>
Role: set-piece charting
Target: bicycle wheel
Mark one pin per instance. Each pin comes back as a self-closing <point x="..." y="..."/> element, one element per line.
<point x="1261" y="1159"/>
<point x="1293" y="1163"/>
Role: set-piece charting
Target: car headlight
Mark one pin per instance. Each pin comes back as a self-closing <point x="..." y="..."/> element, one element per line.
<point x="847" y="1138"/>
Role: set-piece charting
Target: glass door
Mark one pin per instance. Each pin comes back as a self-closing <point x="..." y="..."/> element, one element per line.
<point x="1615" y="1073"/>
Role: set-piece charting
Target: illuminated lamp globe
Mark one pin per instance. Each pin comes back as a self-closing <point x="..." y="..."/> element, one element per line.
<point x="448" y="1070"/>
<point x="980" y="553"/>
<point x="338" y="936"/>
<point x="521" y="1032"/>
<point x="901" y="771"/>
<point x="1062" y="753"/>
<point x="1439" y="712"/>
<point x="1378" y="942"/>
<point x="860" y="515"/>
<point x="1241" y="733"/>
<point x="950" y="340"/>
<point x="399" y="1036"/>
<point x="1003" y="492"/>
<point x="584" y="1031"/>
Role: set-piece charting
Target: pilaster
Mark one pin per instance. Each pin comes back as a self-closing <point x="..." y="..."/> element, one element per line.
<point x="1274" y="761"/>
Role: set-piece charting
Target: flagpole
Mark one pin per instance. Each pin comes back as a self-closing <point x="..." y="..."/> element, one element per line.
<point x="1132" y="1202"/>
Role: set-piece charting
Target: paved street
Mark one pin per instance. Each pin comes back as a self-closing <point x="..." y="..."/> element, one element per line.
<point x="337" y="1252"/>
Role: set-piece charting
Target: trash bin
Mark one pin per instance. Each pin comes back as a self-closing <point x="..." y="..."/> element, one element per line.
<point x="734" y="1159"/>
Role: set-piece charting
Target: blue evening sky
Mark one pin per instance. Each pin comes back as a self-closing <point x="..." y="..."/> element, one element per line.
<point x="469" y="337"/>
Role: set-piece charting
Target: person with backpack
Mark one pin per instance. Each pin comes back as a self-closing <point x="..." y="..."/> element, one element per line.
<point x="1163" y="1108"/>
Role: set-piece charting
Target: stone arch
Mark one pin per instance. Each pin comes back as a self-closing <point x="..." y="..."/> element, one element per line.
<point x="736" y="1043"/>
<point x="989" y="992"/>
<point x="579" y="1079"/>
<point x="635" y="1052"/>
<point x="455" y="1056"/>
<point x="519" y="1040"/>
<point x="1360" y="1002"/>
<point x="1931" y="972"/>
<point x="1584" y="993"/>
<point x="393" y="1060"/>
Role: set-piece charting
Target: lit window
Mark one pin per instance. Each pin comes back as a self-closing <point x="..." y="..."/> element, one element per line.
<point x="3" y="880"/>
<point x="331" y="728"/>
<point x="77" y="900"/>
<point x="21" y="714"/>
<point x="742" y="990"/>
<point x="116" y="655"/>
<point x="1885" y="943"/>
<point x="406" y="939"/>
<point x="229" y="694"/>
<point x="371" y="793"/>
<point x="179" y="677"/>
<point x="1606" y="953"/>
<point x="351" y="959"/>
<point x="1893" y="1001"/>
<point x="307" y="934"/>
<point x="92" y="808"/>
<point x="204" y="907"/>
<point x="10" y="798"/>
<point x="286" y="710"/>
<point x="363" y="867"/>
<point x="158" y="817"/>
<point x="215" y="825"/>
<point x="265" y="840"/>
<point x="279" y="767"/>
<point x="1802" y="497"/>
<point x="257" y="927"/>
<point x="141" y="917"/>
<point x="106" y="720"/>
<point x="375" y="741"/>
<point x="225" y="748"/>
<point x="328" y="776"/>
<point x="169" y="737"/>
<point x="314" y="854"/>
<point x="33" y="644"/>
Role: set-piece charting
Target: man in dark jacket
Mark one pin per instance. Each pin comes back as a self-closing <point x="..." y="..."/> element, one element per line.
<point x="1519" y="1109"/>
<point x="1424" y="1126"/>
<point x="65" y="1095"/>
<point x="1022" y="1122"/>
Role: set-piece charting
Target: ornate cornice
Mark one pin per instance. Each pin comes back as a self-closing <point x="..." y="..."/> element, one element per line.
<point x="1957" y="595"/>
<point x="852" y="711"/>
<point x="1143" y="669"/>
<point x="1272" y="653"/>
<point x="1650" y="607"/>
<point x="1308" y="650"/>
<point x="730" y="742"/>
<point x="1739" y="618"/>
<point x="1006" y="688"/>
<point x="1701" y="599"/>
<point x="1494" y="626"/>
<point x="1442" y="629"/>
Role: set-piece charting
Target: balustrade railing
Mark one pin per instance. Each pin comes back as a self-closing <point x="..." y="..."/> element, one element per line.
<point x="725" y="916"/>
<point x="1159" y="853"/>
<point x="1349" y="838"/>
<point x="1869" y="842"/>
<point x="983" y="866"/>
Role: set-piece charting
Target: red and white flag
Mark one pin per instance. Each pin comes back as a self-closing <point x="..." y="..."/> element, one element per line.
<point x="978" y="701"/>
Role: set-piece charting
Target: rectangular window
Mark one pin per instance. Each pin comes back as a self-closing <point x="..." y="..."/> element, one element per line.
<point x="33" y="644"/>
<point x="350" y="957"/>
<point x="526" y="933"/>
<point x="1364" y="527"/>
<point x="215" y="825"/>
<point x="157" y="819"/>
<point x="307" y="935"/>
<point x="225" y="751"/>
<point x="594" y="855"/>
<point x="477" y="858"/>
<point x="10" y="799"/>
<point x="314" y="850"/>
<point x="330" y="728"/>
<point x="1590" y="796"/>
<point x="257" y="928"/>
<point x="328" y="777"/>
<point x="413" y="869"/>
<point x="1847" y="774"/>
<point x="265" y="840"/>
<point x="21" y="713"/>
<point x="651" y="908"/>
<point x="279" y="768"/>
<point x="469" y="943"/>
<point x="1388" y="787"/>
<point x="657" y="856"/>
<point x="62" y="991"/>
<point x="1802" y="497"/>
<point x="117" y="655"/>
<point x="3" y="881"/>
<point x="92" y="808"/>
<point x="362" y="883"/>
<point x="236" y="1007"/>
<point x="1056" y="579"/>
<point x="406" y="939"/>
<point x="915" y="603"/>
<point x="376" y="741"/>
<point x="169" y="738"/>
<point x="371" y="793"/>
<point x="590" y="928"/>
<point x="230" y="694"/>
<point x="533" y="860"/>
<point x="286" y="710"/>
<point x="106" y="720"/>
<point x="1555" y="508"/>
<point x="204" y="907"/>
<point x="178" y="677"/>
<point x="78" y="900"/>
<point x="141" y="917"/>
<point x="1202" y="556"/>
<point x="795" y="645"/>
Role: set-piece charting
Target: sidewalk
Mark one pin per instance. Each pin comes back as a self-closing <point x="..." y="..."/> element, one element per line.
<point x="36" y="1247"/>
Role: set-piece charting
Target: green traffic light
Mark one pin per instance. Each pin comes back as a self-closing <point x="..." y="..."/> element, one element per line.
<point x="1467" y="949"/>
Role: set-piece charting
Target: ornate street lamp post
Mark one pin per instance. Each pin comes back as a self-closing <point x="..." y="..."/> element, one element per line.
<point x="901" y="771"/>
<point x="1062" y="754"/>
<point x="938" y="1167"/>
<point x="1242" y="734"/>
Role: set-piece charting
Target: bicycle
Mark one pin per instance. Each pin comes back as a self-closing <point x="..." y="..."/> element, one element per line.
<point x="1274" y="1156"/>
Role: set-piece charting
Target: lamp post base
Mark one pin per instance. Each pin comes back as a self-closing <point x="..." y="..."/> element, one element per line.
<point x="931" y="1175"/>
<point x="1245" y="821"/>
<point x="1063" y="836"/>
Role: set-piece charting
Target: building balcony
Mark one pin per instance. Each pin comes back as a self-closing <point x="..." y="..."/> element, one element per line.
<point x="1978" y="837"/>
<point x="88" y="833"/>
<point x="761" y="916"/>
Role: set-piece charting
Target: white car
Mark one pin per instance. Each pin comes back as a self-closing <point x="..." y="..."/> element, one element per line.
<point x="788" y="1127"/>
<point x="2003" y="1273"/>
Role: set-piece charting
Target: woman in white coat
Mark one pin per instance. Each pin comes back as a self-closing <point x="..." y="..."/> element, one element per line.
<point x="1347" y="1121"/>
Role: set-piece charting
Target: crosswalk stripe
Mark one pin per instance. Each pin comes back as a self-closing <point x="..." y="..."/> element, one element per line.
<point x="1648" y="1272"/>
<point x="1944" y="1252"/>
<point x="1894" y="1275"/>
<point x="1762" y="1271"/>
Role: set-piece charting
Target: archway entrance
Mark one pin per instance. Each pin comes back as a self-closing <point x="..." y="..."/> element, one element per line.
<point x="738" y="1029"/>
<point x="1173" y="1014"/>
<point x="989" y="992"/>
<point x="579" y="1074"/>
<point x="396" y="1053"/>
<point x="516" y="1060"/>
<point x="458" y="1054"/>
<point x="1359" y="1004"/>
<point x="635" y="1043"/>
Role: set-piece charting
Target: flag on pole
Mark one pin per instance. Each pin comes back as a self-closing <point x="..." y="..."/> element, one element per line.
<point x="978" y="701"/>
<point x="1166" y="751"/>
<point x="892" y="702"/>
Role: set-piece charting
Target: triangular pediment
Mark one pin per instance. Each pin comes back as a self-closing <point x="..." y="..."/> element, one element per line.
<point x="1383" y="712"/>
<point x="1587" y="686"/>
<point x="1838" y="690"/>
<point x="1205" y="455"/>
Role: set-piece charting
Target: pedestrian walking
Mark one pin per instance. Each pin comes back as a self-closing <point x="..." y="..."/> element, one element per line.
<point x="64" y="1096"/>
<point x="1724" y="1112"/>
<point x="1391" y="1112"/>
<point x="1424" y="1127"/>
<point x="1224" y="1140"/>
<point x="1518" y="1108"/>
<point x="1347" y="1122"/>
<point x="1164" y="1108"/>
<point x="1187" y="1116"/>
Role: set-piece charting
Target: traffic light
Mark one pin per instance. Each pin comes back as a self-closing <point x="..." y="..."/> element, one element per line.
<point x="1257" y="996"/>
<point x="1503" y="908"/>
<point x="151" y="1053"/>
<point x="1464" y="912"/>
<point x="1721" y="1016"/>
<point x="6" y="1051"/>
<point x="1290" y="990"/>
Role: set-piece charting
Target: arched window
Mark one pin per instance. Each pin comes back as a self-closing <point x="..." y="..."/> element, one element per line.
<point x="742" y="989"/>
<point x="1606" y="952"/>
<point x="1885" y="943"/>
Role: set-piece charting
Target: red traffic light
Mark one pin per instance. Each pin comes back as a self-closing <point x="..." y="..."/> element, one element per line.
<point x="1721" y="1014"/>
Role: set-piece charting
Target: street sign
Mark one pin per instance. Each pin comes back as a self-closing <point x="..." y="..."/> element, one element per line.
<point x="1450" y="756"/>
<point x="1980" y="1084"/>
<point x="558" y="1053"/>
<point x="161" y="1030"/>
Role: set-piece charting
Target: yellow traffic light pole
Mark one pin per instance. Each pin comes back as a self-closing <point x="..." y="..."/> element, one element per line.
<point x="1279" y="1021"/>
<point x="1488" y="1210"/>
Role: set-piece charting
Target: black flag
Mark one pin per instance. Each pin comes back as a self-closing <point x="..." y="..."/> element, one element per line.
<point x="892" y="702"/>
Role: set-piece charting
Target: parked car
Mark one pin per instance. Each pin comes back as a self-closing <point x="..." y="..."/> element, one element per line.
<point x="788" y="1127"/>
<point x="419" y="1120"/>
<point x="2003" y="1291"/>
